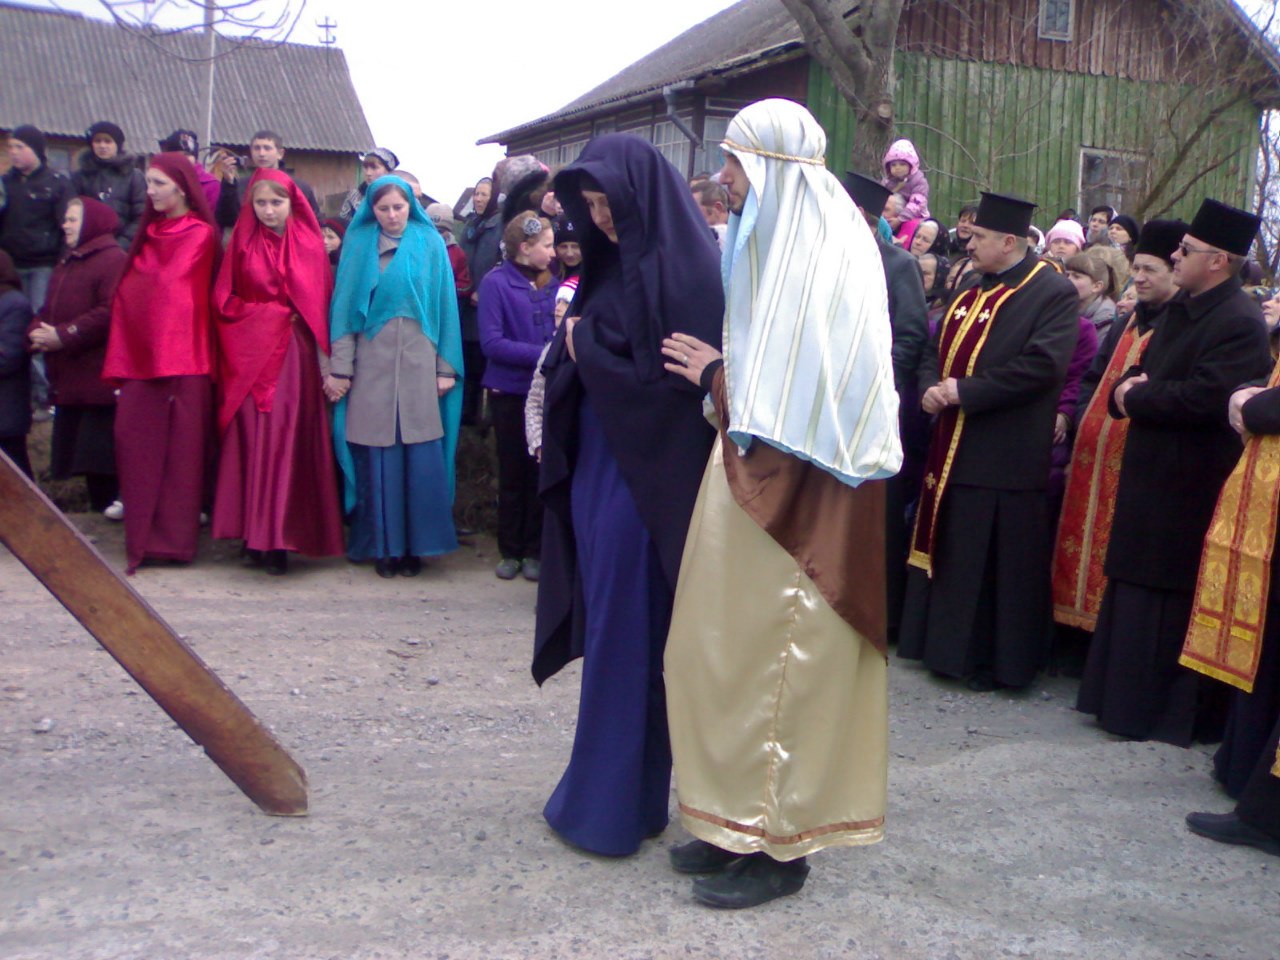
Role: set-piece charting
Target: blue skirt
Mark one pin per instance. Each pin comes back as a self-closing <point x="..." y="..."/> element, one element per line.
<point x="404" y="502"/>
<point x="616" y="789"/>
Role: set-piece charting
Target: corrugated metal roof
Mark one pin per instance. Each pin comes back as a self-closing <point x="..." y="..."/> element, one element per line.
<point x="752" y="29"/>
<point x="748" y="29"/>
<point x="63" y="71"/>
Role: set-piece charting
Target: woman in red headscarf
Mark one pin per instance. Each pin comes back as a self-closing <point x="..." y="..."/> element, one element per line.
<point x="71" y="331"/>
<point x="276" y="484"/>
<point x="160" y="355"/>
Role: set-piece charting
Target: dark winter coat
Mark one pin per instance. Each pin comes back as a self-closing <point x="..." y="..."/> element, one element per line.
<point x="1010" y="402"/>
<point x="479" y="239"/>
<point x="516" y="322"/>
<point x="15" y="364"/>
<point x="78" y="306"/>
<point x="1180" y="448"/>
<point x="116" y="182"/>
<point x="31" y="221"/>
<point x="908" y="316"/>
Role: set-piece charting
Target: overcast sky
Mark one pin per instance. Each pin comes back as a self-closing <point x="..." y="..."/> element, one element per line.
<point x="434" y="77"/>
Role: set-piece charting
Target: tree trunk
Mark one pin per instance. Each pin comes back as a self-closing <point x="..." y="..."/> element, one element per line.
<point x="855" y="43"/>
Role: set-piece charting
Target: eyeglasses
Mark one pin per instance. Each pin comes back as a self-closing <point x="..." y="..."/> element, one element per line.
<point x="1188" y="251"/>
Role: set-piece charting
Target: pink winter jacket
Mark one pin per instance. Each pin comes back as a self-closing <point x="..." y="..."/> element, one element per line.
<point x="914" y="187"/>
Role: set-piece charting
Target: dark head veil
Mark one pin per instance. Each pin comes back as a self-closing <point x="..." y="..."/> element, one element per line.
<point x="670" y="260"/>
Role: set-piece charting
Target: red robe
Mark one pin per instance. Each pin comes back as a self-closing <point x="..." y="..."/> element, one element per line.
<point x="276" y="485"/>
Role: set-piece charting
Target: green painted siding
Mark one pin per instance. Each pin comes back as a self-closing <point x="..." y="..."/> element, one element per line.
<point x="985" y="126"/>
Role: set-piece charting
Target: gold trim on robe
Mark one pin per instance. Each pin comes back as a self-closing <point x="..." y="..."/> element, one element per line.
<point x="1088" y="506"/>
<point x="778" y="707"/>
<point x="1229" y="615"/>
<point x="960" y="342"/>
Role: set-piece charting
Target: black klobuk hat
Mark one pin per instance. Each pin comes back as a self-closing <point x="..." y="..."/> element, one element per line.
<point x="870" y="195"/>
<point x="1004" y="214"/>
<point x="1160" y="238"/>
<point x="1225" y="227"/>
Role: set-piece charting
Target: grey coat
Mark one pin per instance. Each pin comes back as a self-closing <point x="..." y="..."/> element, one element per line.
<point x="393" y="380"/>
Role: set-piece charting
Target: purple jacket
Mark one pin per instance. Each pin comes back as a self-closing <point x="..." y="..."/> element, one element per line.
<point x="515" y="323"/>
<point x="913" y="187"/>
<point x="1086" y="348"/>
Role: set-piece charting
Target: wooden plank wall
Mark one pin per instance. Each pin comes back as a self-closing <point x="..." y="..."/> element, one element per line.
<point x="1114" y="38"/>
<point x="984" y="126"/>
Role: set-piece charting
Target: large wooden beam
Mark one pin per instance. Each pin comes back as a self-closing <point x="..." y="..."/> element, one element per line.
<point x="154" y="655"/>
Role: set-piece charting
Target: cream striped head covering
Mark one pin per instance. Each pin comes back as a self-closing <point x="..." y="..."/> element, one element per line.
<point x="806" y="335"/>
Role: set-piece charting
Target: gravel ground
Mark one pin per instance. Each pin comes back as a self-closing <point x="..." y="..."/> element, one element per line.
<point x="1015" y="828"/>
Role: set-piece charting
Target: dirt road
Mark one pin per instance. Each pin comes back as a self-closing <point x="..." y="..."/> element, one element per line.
<point x="1015" y="828"/>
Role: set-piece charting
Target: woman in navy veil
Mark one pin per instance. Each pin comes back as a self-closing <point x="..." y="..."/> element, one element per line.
<point x="624" y="447"/>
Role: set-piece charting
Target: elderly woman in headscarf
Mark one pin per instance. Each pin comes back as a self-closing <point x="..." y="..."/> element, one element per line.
<point x="397" y="358"/>
<point x="160" y="355"/>
<point x="775" y="662"/>
<point x="276" y="488"/>
<point x="71" y="332"/>
<point x="623" y="445"/>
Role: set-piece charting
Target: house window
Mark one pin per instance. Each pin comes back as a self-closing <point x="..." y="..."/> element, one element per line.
<point x="672" y="144"/>
<point x="1110" y="177"/>
<point x="550" y="156"/>
<point x="709" y="156"/>
<point x="1056" y="18"/>
<point x="569" y="151"/>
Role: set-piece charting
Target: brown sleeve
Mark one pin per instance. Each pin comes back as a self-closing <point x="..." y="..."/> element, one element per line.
<point x="833" y="531"/>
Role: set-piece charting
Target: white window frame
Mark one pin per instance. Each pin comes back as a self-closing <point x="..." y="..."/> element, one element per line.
<point x="1046" y="32"/>
<point x="1122" y="191"/>
<point x="672" y="144"/>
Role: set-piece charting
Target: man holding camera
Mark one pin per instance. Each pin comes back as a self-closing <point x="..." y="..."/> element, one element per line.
<point x="266" y="152"/>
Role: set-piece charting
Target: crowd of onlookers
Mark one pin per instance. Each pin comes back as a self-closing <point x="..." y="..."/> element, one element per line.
<point x="510" y="266"/>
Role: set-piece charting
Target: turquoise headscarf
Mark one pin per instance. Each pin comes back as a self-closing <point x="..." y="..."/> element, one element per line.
<point x="417" y="284"/>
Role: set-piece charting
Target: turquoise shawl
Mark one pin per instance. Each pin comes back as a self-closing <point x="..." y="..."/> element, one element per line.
<point x="417" y="284"/>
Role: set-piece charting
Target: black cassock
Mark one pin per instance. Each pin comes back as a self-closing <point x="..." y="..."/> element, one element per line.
<point x="909" y="320"/>
<point x="987" y="606"/>
<point x="1179" y="451"/>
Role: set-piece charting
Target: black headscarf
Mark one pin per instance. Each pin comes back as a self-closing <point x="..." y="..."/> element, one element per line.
<point x="662" y="277"/>
<point x="672" y="282"/>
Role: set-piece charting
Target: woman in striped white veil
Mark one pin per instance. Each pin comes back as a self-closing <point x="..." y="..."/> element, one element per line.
<point x="775" y="661"/>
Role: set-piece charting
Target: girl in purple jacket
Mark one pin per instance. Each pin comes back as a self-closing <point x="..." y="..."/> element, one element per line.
<point x="904" y="177"/>
<point x="516" y="320"/>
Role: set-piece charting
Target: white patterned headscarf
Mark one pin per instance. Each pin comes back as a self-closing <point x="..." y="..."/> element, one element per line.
<point x="806" y="336"/>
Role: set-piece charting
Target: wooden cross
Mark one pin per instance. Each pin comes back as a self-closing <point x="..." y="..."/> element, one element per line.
<point x="153" y="654"/>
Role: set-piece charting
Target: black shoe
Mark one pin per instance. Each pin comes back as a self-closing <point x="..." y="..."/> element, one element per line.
<point x="981" y="681"/>
<point x="1229" y="828"/>
<point x="410" y="566"/>
<point x="251" y="558"/>
<point x="387" y="567"/>
<point x="750" y="882"/>
<point x="277" y="562"/>
<point x="698" y="856"/>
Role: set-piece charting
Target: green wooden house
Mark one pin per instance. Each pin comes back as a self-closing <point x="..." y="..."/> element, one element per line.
<point x="1143" y="104"/>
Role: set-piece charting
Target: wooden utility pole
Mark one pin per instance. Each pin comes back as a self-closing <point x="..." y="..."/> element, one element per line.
<point x="154" y="655"/>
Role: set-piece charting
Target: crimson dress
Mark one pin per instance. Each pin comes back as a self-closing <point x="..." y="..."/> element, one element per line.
<point x="276" y="486"/>
<point x="160" y="356"/>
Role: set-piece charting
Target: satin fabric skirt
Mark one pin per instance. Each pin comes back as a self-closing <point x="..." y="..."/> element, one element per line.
<point x="404" y="502"/>
<point x="163" y="434"/>
<point x="616" y="790"/>
<point x="778" y="709"/>
<point x="276" y="486"/>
